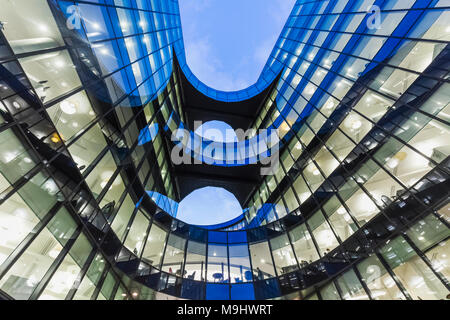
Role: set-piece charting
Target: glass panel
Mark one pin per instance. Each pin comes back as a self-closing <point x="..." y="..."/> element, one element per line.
<point x="439" y="257"/>
<point x="261" y="261"/>
<point x="329" y="292"/>
<point x="154" y="247"/>
<point x="31" y="29"/>
<point x="239" y="263"/>
<point x="16" y="221"/>
<point x="71" y="115"/>
<point x="217" y="263"/>
<point x="62" y="280"/>
<point x="428" y="232"/>
<point x="88" y="284"/>
<point x="303" y="246"/>
<point x="87" y="147"/>
<point x="23" y="277"/>
<point x="283" y="255"/>
<point x="324" y="236"/>
<point x="138" y="232"/>
<point x="123" y="217"/>
<point x="102" y="173"/>
<point x="174" y="255"/>
<point x="416" y="277"/>
<point x="51" y="74"/>
<point x="107" y="287"/>
<point x="351" y="287"/>
<point x="15" y="160"/>
<point x="339" y="218"/>
<point x="195" y="261"/>
<point x="378" y="280"/>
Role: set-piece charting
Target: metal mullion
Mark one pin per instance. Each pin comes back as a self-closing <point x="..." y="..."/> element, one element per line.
<point x="392" y="275"/>
<point x="336" y="285"/>
<point x="16" y="186"/>
<point x="395" y="99"/>
<point x="164" y="252"/>
<point x="114" y="290"/>
<point x="125" y="193"/>
<point x="101" y="280"/>
<point x="27" y="241"/>
<point x="82" y="274"/>
<point x="272" y="259"/>
<point x="229" y="269"/>
<point x="369" y="157"/>
<point x="128" y="228"/>
<point x="183" y="268"/>
<point x="107" y="5"/>
<point x="320" y="208"/>
<point x="8" y="125"/>
<point x="363" y="283"/>
<point x="366" y="87"/>
<point x="313" y="193"/>
<point x="145" y="241"/>
<point x="39" y="289"/>
<point x="427" y="261"/>
<point x="350" y="55"/>
<point x="206" y="263"/>
<point x="108" y="185"/>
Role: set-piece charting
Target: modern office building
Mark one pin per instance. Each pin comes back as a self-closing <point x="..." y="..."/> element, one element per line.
<point x="92" y="91"/>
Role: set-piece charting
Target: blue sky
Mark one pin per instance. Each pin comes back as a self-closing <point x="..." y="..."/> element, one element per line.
<point x="209" y="206"/>
<point x="227" y="45"/>
<point x="229" y="41"/>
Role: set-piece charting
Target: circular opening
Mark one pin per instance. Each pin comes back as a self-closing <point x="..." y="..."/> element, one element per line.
<point x="217" y="131"/>
<point x="209" y="206"/>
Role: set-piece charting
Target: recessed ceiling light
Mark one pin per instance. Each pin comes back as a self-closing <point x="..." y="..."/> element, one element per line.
<point x="68" y="107"/>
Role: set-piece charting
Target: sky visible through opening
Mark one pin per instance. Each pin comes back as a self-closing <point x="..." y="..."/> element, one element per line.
<point x="209" y="206"/>
<point x="228" y="42"/>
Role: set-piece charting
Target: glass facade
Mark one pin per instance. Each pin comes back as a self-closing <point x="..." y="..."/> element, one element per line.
<point x="358" y="209"/>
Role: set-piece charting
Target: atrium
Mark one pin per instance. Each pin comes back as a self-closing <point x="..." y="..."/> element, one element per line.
<point x="337" y="157"/>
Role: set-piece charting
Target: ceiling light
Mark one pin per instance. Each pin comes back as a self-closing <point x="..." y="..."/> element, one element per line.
<point x="59" y="64"/>
<point x="68" y="107"/>
<point x="392" y="163"/>
<point x="356" y="125"/>
<point x="53" y="253"/>
<point x="330" y="105"/>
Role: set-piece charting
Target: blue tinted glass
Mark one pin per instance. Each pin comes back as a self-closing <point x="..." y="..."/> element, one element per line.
<point x="217" y="292"/>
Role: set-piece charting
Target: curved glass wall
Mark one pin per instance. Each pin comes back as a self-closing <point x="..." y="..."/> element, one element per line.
<point x="358" y="208"/>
